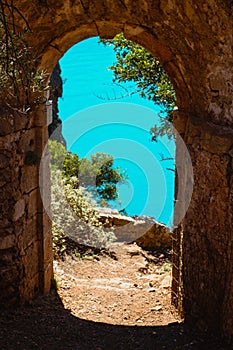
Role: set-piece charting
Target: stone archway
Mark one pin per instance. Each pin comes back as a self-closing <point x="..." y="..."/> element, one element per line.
<point x="193" y="42"/>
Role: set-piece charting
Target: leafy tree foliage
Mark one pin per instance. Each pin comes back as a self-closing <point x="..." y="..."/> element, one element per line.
<point x="58" y="153"/>
<point x="136" y="64"/>
<point x="98" y="174"/>
<point x="71" y="166"/>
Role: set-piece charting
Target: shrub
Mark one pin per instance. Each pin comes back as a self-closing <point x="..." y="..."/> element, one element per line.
<point x="75" y="217"/>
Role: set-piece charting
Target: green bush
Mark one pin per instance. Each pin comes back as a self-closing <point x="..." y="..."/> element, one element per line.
<point x="74" y="216"/>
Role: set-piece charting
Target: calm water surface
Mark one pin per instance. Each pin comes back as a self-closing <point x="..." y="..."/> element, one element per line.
<point x="99" y="117"/>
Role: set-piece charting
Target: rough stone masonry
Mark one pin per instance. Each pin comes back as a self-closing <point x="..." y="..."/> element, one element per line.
<point x="193" y="41"/>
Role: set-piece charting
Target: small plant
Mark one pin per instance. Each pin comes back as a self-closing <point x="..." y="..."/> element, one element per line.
<point x="54" y="283"/>
<point x="21" y="82"/>
<point x="59" y="242"/>
<point x="166" y="267"/>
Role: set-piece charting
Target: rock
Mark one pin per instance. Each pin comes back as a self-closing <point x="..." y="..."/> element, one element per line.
<point x="144" y="230"/>
<point x="156" y="308"/>
<point x="19" y="209"/>
<point x="157" y="236"/>
<point x="166" y="282"/>
<point x="111" y="217"/>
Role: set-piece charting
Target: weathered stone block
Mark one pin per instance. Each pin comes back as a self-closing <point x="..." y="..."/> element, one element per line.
<point x="7" y="257"/>
<point x="9" y="274"/>
<point x="4" y="161"/>
<point x="216" y="144"/>
<point x="29" y="289"/>
<point x="30" y="261"/>
<point x="41" y="139"/>
<point x="48" y="274"/>
<point x="7" y="242"/>
<point x="30" y="231"/>
<point x="7" y="175"/>
<point x="6" y="125"/>
<point x="27" y="140"/>
<point x="40" y="116"/>
<point x="4" y="222"/>
<point x="158" y="236"/>
<point x="48" y="251"/>
<point x="19" y="209"/>
<point x="217" y="82"/>
<point x="29" y="178"/>
<point x="32" y="203"/>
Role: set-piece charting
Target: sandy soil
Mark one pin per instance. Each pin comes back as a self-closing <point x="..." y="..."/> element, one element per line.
<point x="132" y="289"/>
<point x="119" y="301"/>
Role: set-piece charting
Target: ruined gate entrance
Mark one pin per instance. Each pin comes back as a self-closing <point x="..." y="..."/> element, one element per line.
<point x="193" y="42"/>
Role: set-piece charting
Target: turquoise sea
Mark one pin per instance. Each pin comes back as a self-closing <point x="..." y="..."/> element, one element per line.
<point x="99" y="116"/>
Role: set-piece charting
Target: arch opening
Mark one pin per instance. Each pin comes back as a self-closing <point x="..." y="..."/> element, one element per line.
<point x="101" y="126"/>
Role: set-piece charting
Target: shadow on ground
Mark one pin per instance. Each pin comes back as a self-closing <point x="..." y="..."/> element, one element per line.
<point x="46" y="324"/>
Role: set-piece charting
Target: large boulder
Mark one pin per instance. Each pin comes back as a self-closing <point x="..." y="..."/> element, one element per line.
<point x="112" y="218"/>
<point x="144" y="230"/>
<point x="158" y="235"/>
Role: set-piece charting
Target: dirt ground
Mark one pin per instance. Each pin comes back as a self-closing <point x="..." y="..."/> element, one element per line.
<point x="130" y="288"/>
<point x="114" y="301"/>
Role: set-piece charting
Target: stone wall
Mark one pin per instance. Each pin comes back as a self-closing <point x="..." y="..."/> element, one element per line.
<point x="193" y="41"/>
<point x="24" y="226"/>
<point x="26" y="242"/>
<point x="207" y="230"/>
